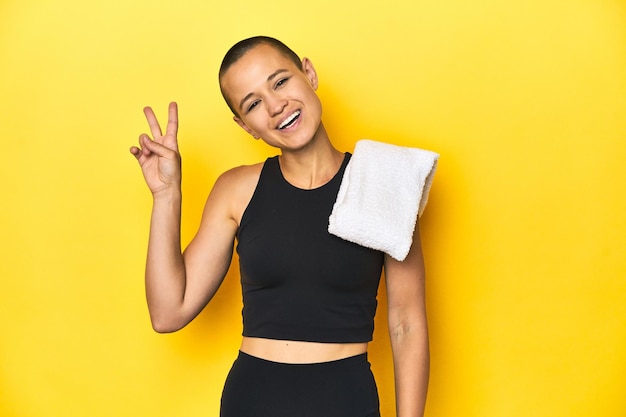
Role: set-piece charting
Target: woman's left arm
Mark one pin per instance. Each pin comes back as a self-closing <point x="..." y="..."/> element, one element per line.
<point x="408" y="329"/>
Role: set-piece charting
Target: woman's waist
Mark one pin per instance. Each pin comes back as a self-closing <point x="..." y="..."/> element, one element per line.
<point x="295" y="351"/>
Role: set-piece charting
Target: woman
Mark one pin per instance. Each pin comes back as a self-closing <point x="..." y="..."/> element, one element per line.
<point x="309" y="297"/>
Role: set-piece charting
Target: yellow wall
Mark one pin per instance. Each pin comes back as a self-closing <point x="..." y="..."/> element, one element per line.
<point x="524" y="233"/>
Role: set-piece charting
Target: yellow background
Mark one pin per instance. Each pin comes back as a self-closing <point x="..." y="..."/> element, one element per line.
<point x="524" y="234"/>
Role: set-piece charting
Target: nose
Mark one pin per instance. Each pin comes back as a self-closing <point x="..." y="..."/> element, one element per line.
<point x="275" y="104"/>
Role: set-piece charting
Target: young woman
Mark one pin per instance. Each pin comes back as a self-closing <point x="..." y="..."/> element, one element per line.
<point x="309" y="297"/>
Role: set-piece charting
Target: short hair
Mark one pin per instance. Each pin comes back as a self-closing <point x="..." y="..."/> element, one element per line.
<point x="239" y="49"/>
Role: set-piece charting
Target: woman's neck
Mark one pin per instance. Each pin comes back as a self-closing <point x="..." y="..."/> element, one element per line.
<point x="312" y="166"/>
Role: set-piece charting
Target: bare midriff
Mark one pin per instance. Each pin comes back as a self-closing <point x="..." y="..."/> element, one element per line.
<point x="289" y="351"/>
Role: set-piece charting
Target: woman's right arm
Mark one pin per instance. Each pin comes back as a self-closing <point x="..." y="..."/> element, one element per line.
<point x="178" y="285"/>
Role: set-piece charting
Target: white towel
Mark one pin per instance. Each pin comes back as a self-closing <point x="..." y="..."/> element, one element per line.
<point x="384" y="190"/>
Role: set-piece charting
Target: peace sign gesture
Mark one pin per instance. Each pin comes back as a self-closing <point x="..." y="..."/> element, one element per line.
<point x="159" y="157"/>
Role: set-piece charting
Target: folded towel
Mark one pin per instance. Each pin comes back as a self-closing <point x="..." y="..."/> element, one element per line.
<point x="384" y="190"/>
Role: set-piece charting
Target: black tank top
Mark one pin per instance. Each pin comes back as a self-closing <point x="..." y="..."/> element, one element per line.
<point x="300" y="282"/>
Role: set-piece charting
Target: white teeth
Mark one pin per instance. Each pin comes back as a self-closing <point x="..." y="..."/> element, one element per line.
<point x="290" y="119"/>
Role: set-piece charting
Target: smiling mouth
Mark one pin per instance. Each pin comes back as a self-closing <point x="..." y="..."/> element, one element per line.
<point x="289" y="120"/>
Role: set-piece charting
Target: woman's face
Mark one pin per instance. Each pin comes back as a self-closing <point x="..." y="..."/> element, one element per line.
<point x="274" y="99"/>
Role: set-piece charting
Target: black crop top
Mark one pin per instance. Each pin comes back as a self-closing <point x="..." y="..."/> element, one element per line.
<point x="300" y="282"/>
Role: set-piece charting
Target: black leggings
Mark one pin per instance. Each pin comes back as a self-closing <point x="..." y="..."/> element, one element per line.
<point x="260" y="388"/>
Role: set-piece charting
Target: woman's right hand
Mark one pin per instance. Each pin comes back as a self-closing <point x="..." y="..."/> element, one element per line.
<point x="159" y="157"/>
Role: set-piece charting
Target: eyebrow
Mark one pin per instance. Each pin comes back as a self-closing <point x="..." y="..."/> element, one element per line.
<point x="269" y="79"/>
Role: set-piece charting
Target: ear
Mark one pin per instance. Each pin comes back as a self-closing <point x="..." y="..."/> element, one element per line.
<point x="309" y="71"/>
<point x="244" y="126"/>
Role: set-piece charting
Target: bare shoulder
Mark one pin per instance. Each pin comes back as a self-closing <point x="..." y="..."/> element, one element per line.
<point x="236" y="186"/>
<point x="242" y="179"/>
<point x="240" y="175"/>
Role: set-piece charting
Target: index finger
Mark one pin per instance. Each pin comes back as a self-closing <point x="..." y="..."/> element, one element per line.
<point x="155" y="129"/>
<point x="172" y="120"/>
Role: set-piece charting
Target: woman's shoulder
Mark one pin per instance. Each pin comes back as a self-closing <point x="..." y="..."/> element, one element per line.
<point x="236" y="186"/>
<point x="240" y="176"/>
